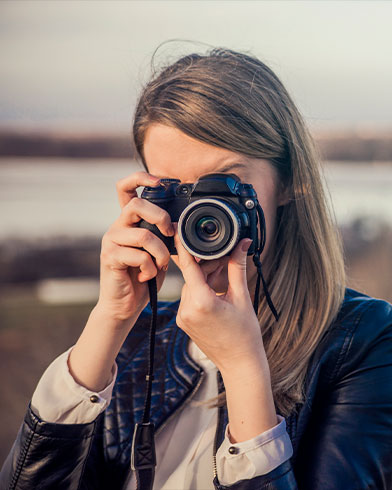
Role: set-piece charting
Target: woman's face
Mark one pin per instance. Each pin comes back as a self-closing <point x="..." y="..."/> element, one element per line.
<point x="170" y="153"/>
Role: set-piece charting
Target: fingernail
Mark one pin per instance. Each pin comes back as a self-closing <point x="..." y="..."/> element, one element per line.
<point x="246" y="244"/>
<point x="170" y="230"/>
<point x="165" y="267"/>
<point x="155" y="180"/>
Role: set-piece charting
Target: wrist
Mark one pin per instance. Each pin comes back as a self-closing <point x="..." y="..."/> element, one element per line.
<point x="245" y="365"/>
<point x="112" y="318"/>
<point x="249" y="399"/>
<point x="251" y="371"/>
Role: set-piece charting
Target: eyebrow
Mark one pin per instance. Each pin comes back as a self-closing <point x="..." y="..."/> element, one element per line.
<point x="225" y="168"/>
<point x="231" y="166"/>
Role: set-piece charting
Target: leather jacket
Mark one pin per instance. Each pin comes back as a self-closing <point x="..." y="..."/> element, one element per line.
<point x="341" y="434"/>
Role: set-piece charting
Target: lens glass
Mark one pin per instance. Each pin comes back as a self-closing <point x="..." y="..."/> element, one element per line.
<point x="207" y="228"/>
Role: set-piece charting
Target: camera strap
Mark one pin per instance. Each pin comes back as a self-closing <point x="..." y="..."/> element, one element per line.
<point x="257" y="262"/>
<point x="143" y="458"/>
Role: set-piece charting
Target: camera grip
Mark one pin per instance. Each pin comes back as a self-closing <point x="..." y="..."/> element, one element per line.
<point x="167" y="240"/>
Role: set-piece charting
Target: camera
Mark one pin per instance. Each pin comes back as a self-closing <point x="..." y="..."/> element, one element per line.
<point x="213" y="214"/>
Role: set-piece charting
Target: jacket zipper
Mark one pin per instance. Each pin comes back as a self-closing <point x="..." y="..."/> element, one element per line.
<point x="215" y="449"/>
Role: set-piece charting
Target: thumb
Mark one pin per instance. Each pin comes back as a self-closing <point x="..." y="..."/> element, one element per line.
<point x="236" y="269"/>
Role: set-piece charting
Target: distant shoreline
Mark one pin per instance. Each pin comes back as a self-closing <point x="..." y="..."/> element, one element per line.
<point x="37" y="144"/>
<point x="334" y="145"/>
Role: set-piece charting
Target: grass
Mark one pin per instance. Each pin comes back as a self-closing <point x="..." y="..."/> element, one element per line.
<point x="32" y="334"/>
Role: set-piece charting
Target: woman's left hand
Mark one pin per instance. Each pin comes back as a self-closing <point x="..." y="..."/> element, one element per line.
<point x="227" y="330"/>
<point x="224" y="326"/>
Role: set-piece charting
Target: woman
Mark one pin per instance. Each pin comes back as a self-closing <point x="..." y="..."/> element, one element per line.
<point x="302" y="402"/>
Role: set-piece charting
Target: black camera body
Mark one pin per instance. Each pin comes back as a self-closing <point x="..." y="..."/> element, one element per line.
<point x="213" y="214"/>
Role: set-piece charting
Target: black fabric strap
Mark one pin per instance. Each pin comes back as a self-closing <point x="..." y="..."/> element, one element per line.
<point x="152" y="288"/>
<point x="145" y="479"/>
<point x="143" y="459"/>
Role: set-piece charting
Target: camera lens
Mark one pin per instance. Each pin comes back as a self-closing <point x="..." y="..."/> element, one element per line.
<point x="209" y="228"/>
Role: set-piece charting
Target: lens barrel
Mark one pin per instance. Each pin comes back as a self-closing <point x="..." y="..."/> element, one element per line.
<point x="209" y="228"/>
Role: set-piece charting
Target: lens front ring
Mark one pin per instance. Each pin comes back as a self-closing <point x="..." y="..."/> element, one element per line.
<point x="234" y="222"/>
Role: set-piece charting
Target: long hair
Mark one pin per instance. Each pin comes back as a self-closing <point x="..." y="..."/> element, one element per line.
<point x="234" y="101"/>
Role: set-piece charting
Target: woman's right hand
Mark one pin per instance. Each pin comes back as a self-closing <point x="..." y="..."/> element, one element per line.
<point x="130" y="255"/>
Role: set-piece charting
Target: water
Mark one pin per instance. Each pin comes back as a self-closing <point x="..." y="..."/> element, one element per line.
<point x="360" y="190"/>
<point x="46" y="197"/>
<point x="43" y="197"/>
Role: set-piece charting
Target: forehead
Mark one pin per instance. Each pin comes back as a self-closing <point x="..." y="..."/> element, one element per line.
<point x="171" y="153"/>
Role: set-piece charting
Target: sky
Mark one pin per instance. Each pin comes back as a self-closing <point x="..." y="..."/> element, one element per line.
<point x="80" y="64"/>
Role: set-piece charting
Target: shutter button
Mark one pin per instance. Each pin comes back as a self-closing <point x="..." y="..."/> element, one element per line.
<point x="94" y="398"/>
<point x="233" y="450"/>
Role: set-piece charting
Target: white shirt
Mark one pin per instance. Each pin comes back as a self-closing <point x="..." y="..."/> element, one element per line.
<point x="184" y="446"/>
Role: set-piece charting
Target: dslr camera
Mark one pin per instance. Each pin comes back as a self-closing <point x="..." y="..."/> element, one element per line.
<point x="213" y="214"/>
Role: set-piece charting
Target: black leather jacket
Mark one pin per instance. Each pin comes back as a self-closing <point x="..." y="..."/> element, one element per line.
<point x="341" y="435"/>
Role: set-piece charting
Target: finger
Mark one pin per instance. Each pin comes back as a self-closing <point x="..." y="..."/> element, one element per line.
<point x="236" y="268"/>
<point x="126" y="188"/>
<point x="191" y="271"/>
<point x="139" y="208"/>
<point x="142" y="238"/>
<point x="125" y="257"/>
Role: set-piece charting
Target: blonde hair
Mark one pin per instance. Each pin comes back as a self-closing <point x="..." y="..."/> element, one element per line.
<point x="234" y="101"/>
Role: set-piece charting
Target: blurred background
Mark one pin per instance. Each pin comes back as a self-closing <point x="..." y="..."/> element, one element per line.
<point x="70" y="73"/>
